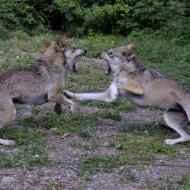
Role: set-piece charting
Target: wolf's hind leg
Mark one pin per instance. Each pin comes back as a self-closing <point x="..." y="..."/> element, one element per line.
<point x="173" y="119"/>
<point x="7" y="114"/>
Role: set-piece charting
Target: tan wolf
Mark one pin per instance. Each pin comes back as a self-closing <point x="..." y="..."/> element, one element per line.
<point x="39" y="83"/>
<point x="144" y="87"/>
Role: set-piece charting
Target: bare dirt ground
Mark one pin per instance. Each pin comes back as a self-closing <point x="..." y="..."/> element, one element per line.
<point x="64" y="174"/>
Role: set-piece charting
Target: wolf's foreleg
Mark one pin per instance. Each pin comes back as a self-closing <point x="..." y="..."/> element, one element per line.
<point x="108" y="96"/>
<point x="173" y="120"/>
<point x="55" y="96"/>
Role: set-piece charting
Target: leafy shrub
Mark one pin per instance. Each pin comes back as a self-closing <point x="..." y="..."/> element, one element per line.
<point x="24" y="13"/>
<point x="117" y="16"/>
<point x="78" y="17"/>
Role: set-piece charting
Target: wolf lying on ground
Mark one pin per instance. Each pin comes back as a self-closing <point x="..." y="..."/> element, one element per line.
<point x="39" y="83"/>
<point x="144" y="87"/>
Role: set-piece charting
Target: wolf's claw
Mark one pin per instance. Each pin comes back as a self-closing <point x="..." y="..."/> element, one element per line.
<point x="68" y="94"/>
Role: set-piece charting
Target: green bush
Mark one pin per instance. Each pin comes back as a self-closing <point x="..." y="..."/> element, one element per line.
<point x="24" y="13"/>
<point x="117" y="16"/>
<point x="78" y="17"/>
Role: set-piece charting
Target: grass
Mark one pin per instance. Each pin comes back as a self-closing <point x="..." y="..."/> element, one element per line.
<point x="146" y="140"/>
<point x="128" y="176"/>
<point x="171" y="183"/>
<point x="121" y="104"/>
<point x="135" y="144"/>
<point x="113" y="115"/>
<point x="31" y="148"/>
<point x="104" y="163"/>
<point x="77" y="123"/>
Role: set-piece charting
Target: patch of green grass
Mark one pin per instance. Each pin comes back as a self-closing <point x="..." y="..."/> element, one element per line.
<point x="151" y="130"/>
<point x="170" y="183"/>
<point x="103" y="163"/>
<point x="35" y="109"/>
<point x="142" y="142"/>
<point x="134" y="150"/>
<point x="113" y="115"/>
<point x="121" y="104"/>
<point x="148" y="130"/>
<point x="31" y="148"/>
<point x="77" y="123"/>
<point x="140" y="148"/>
<point x="137" y="145"/>
<point x="127" y="176"/>
<point x="19" y="49"/>
<point x="106" y="163"/>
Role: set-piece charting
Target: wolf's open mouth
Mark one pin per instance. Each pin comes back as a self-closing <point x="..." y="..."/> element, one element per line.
<point x="99" y="56"/>
<point x="74" y="68"/>
<point x="74" y="65"/>
<point x="109" y="70"/>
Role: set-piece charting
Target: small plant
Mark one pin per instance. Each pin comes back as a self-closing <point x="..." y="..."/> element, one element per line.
<point x="104" y="163"/>
<point x="127" y="176"/>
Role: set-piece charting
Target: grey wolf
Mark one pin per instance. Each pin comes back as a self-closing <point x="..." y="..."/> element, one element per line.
<point x="38" y="83"/>
<point x="144" y="87"/>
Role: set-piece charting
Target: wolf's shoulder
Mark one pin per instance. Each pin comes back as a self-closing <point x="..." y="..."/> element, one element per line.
<point x="34" y="68"/>
<point x="151" y="74"/>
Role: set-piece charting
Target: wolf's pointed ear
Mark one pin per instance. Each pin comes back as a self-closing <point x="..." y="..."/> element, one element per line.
<point x="131" y="46"/>
<point x="58" y="49"/>
<point x="129" y="51"/>
<point x="46" y="43"/>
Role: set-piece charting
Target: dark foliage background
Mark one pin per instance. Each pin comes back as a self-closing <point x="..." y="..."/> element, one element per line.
<point x="79" y="17"/>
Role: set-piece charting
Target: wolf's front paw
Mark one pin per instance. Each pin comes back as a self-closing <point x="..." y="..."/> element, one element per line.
<point x="68" y="94"/>
<point x="170" y="141"/>
<point x="185" y="138"/>
<point x="9" y="142"/>
<point x="73" y="107"/>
